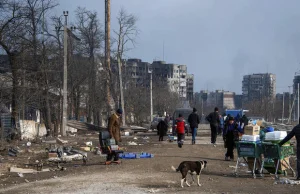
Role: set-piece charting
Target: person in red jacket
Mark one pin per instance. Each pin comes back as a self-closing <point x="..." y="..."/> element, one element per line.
<point x="180" y="127"/>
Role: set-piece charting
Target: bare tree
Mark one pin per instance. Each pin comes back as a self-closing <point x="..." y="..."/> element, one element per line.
<point x="126" y="34"/>
<point x="92" y="37"/>
<point x="11" y="28"/>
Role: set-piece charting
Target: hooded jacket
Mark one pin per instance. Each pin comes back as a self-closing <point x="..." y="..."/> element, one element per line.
<point x="194" y="120"/>
<point x="180" y="125"/>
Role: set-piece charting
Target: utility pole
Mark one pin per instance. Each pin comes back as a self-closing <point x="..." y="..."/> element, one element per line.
<point x="109" y="99"/>
<point x="298" y="101"/>
<point x="282" y="108"/>
<point x="121" y="88"/>
<point x="65" y="81"/>
<point x="289" y="104"/>
<point x="201" y="105"/>
<point x="151" y="100"/>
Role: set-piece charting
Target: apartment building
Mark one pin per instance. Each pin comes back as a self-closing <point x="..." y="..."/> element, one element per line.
<point x="259" y="86"/>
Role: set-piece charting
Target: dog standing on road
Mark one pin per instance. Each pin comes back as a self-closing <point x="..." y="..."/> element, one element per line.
<point x="192" y="167"/>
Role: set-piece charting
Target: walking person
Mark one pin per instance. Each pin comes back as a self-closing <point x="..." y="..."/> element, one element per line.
<point x="180" y="126"/>
<point x="162" y="129"/>
<point x="221" y="125"/>
<point x="295" y="132"/>
<point x="194" y="121"/>
<point x="214" y="121"/>
<point x="244" y="122"/>
<point x="230" y="135"/>
<point x="114" y="125"/>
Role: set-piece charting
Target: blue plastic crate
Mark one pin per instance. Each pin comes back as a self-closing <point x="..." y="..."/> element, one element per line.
<point x="135" y="155"/>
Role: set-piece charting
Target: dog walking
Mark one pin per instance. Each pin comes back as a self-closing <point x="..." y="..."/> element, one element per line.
<point x="194" y="121"/>
<point x="180" y="127"/>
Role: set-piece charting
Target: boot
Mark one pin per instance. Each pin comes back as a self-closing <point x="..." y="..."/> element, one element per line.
<point x="117" y="161"/>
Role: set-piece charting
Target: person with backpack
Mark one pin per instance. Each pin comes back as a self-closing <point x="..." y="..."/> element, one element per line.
<point x="180" y="127"/>
<point x="194" y="121"/>
<point x="230" y="136"/>
<point x="114" y="125"/>
<point x="214" y="121"/>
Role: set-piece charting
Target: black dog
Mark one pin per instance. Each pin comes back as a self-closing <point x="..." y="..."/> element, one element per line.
<point x="192" y="167"/>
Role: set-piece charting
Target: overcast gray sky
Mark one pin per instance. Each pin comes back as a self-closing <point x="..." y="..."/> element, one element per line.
<point x="219" y="40"/>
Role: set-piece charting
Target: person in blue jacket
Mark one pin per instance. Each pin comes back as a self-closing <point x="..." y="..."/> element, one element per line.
<point x="221" y="125"/>
<point x="230" y="136"/>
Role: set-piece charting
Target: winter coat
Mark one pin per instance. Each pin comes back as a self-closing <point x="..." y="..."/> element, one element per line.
<point x="180" y="125"/>
<point x="295" y="132"/>
<point x="231" y="134"/>
<point x="194" y="120"/>
<point x="114" y="127"/>
<point x="213" y="118"/>
<point x="162" y="128"/>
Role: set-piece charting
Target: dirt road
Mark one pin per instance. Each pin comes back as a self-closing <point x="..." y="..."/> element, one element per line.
<point x="151" y="175"/>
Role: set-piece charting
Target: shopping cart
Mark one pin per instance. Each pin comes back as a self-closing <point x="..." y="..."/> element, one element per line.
<point x="276" y="152"/>
<point x="249" y="150"/>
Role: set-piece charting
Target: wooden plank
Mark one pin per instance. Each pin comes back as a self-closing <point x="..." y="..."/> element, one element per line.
<point x="25" y="170"/>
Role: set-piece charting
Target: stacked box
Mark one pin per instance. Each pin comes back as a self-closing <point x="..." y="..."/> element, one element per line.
<point x="251" y="130"/>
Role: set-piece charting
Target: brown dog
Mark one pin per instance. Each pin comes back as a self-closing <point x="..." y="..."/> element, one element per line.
<point x="192" y="167"/>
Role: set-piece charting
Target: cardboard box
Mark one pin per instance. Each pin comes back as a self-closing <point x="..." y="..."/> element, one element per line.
<point x="251" y="130"/>
<point x="284" y="164"/>
<point x="52" y="155"/>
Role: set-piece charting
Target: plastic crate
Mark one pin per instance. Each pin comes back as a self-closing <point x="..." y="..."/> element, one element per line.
<point x="274" y="151"/>
<point x="249" y="149"/>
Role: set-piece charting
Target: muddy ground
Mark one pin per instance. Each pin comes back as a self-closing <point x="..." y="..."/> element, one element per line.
<point x="139" y="175"/>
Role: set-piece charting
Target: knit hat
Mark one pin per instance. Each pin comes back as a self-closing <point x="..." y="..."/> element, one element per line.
<point x="119" y="111"/>
<point x="194" y="110"/>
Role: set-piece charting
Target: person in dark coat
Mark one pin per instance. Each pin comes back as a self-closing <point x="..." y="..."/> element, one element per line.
<point x="162" y="129"/>
<point x="214" y="120"/>
<point x="244" y="121"/>
<point x="230" y="135"/>
<point x="194" y="121"/>
<point x="295" y="132"/>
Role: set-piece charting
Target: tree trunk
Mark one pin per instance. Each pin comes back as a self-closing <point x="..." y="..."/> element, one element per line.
<point x="48" y="113"/>
<point x="14" y="101"/>
<point x="77" y="104"/>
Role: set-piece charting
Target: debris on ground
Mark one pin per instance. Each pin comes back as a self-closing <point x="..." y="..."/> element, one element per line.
<point x="12" y="152"/>
<point x="89" y="143"/>
<point x="26" y="170"/>
<point x="135" y="155"/>
<point x="60" y="141"/>
<point x="132" y="143"/>
<point x="287" y="181"/>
